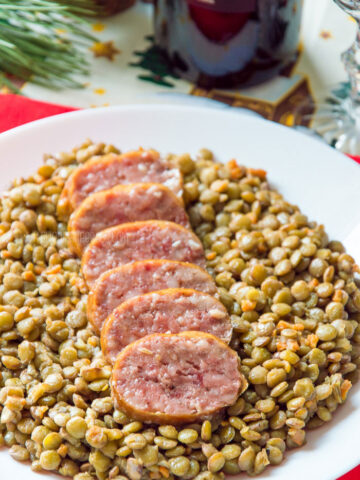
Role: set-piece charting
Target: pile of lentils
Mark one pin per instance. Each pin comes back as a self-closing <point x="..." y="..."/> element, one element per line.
<point x="294" y="305"/>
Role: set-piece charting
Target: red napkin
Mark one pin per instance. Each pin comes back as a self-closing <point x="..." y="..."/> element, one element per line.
<point x="16" y="110"/>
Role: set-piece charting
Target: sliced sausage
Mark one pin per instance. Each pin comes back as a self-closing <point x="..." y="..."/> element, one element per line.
<point x="166" y="311"/>
<point x="122" y="204"/>
<point x="176" y="379"/>
<point x="108" y="171"/>
<point x="135" y="241"/>
<point x="116" y="286"/>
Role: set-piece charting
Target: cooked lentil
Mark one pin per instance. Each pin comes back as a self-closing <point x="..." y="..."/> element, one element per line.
<point x="294" y="304"/>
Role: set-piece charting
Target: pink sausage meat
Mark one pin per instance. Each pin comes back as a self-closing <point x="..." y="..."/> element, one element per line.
<point x="123" y="204"/>
<point x="120" y="284"/>
<point x="176" y="379"/>
<point x="140" y="241"/>
<point x="166" y="311"/>
<point x="132" y="167"/>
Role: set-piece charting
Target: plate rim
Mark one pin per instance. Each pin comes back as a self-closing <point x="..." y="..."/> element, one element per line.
<point x="98" y="111"/>
<point x="50" y="122"/>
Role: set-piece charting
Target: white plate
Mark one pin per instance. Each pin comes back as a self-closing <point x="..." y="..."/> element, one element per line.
<point x="323" y="182"/>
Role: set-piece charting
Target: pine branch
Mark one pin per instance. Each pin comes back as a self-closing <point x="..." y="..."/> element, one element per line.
<point x="44" y="41"/>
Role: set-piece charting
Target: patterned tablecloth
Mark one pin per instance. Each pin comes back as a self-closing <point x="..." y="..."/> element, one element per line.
<point x="122" y="71"/>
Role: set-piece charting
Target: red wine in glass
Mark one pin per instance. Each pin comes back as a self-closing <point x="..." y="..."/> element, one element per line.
<point x="224" y="43"/>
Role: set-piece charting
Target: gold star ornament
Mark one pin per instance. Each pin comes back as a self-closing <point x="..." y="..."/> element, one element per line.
<point x="105" y="49"/>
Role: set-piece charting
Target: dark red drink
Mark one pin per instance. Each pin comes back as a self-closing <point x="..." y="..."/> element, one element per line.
<point x="223" y="43"/>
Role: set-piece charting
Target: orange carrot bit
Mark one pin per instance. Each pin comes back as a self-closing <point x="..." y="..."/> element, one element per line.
<point x="257" y="172"/>
<point x="248" y="305"/>
<point x="344" y="389"/>
<point x="288" y="227"/>
<point x="282" y="325"/>
<point x="337" y="297"/>
<point x="253" y="217"/>
<point x="280" y="346"/>
<point x="356" y="268"/>
<point x="93" y="341"/>
<point x="313" y="283"/>
<point x="63" y="450"/>
<point x="29" y="276"/>
<point x="293" y="345"/>
<point x="164" y="472"/>
<point x="232" y="163"/>
<point x="210" y="256"/>
<point x="53" y="270"/>
<point x="299" y="327"/>
<point x="312" y="340"/>
<point x="236" y="171"/>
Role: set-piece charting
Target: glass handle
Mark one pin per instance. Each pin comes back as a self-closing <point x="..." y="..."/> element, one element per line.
<point x="351" y="57"/>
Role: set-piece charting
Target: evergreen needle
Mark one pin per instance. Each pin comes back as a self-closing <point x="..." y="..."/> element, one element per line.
<point x="45" y="41"/>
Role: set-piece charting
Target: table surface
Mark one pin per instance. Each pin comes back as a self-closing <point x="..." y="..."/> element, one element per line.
<point x="326" y="32"/>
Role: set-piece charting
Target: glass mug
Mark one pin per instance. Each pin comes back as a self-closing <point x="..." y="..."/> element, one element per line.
<point x="224" y="43"/>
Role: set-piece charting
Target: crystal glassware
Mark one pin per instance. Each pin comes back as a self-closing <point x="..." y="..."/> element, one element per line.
<point x="337" y="119"/>
<point x="226" y="43"/>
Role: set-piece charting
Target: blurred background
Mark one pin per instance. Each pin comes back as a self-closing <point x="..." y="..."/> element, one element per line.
<point x="278" y="58"/>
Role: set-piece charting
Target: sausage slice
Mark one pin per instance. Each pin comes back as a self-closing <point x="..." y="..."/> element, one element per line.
<point x="116" y="286"/>
<point x="122" y="204"/>
<point x="166" y="311"/>
<point x="103" y="173"/>
<point x="135" y="241"/>
<point x="176" y="379"/>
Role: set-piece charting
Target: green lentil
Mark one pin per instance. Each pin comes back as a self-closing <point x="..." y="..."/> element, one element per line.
<point x="216" y="462"/>
<point x="135" y="441"/>
<point x="168" y="431"/>
<point x="179" y="466"/>
<point x="132" y="427"/>
<point x="148" y="455"/>
<point x="50" y="460"/>
<point x="258" y="375"/>
<point x="52" y="441"/>
<point x="231" y="451"/>
<point x="267" y="257"/>
<point x="188" y="436"/>
<point x="165" y="443"/>
<point x="174" y="452"/>
<point x="206" y="430"/>
<point x="247" y="459"/>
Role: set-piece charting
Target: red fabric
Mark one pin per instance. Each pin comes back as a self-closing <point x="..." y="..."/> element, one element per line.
<point x="353" y="475"/>
<point x="357" y="159"/>
<point x="16" y="110"/>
